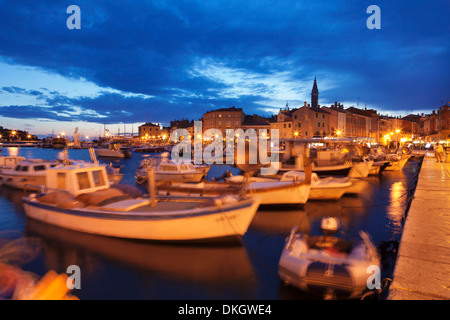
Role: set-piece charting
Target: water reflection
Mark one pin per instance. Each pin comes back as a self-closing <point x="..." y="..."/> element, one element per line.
<point x="221" y="268"/>
<point x="396" y="210"/>
<point x="124" y="269"/>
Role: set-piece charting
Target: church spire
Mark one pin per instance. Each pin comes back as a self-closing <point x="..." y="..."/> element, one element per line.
<point x="315" y="95"/>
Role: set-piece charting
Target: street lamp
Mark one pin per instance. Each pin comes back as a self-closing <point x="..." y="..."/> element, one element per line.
<point x="397" y="131"/>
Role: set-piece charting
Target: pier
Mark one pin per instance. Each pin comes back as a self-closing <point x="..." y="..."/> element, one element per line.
<point x="423" y="262"/>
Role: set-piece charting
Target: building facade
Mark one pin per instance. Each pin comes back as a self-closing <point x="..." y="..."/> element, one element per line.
<point x="223" y="119"/>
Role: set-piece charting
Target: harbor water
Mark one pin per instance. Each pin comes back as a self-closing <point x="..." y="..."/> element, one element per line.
<point x="128" y="269"/>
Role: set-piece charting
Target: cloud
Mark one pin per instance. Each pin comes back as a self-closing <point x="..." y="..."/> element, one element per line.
<point x="178" y="59"/>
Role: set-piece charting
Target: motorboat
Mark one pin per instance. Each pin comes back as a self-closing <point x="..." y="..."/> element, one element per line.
<point x="329" y="188"/>
<point x="112" y="150"/>
<point x="28" y="174"/>
<point x="79" y="197"/>
<point x="168" y="171"/>
<point x="59" y="143"/>
<point x="270" y="192"/>
<point x="8" y="162"/>
<point x="327" y="264"/>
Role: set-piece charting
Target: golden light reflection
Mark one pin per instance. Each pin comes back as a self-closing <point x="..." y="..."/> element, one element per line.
<point x="396" y="210"/>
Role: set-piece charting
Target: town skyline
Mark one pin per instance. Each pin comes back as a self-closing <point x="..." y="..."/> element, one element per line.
<point x="125" y="63"/>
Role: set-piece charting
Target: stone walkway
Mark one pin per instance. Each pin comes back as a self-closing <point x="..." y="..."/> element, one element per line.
<point x="422" y="270"/>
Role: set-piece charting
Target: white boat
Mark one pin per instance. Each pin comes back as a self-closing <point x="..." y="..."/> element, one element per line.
<point x="360" y="169"/>
<point x="27" y="174"/>
<point x="112" y="150"/>
<point x="167" y="171"/>
<point x="328" y="188"/>
<point x="269" y="192"/>
<point x="84" y="201"/>
<point x="328" y="265"/>
<point x="8" y="162"/>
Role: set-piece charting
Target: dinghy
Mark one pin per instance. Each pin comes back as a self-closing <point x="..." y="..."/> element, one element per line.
<point x="328" y="265"/>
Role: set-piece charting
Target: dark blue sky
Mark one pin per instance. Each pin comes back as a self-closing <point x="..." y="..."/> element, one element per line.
<point x="165" y="60"/>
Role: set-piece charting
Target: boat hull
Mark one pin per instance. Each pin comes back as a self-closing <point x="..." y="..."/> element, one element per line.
<point x="223" y="222"/>
<point x="31" y="183"/>
<point x="320" y="193"/>
<point x="397" y="165"/>
<point x="110" y="153"/>
<point x="180" y="177"/>
<point x="338" y="170"/>
<point x="269" y="193"/>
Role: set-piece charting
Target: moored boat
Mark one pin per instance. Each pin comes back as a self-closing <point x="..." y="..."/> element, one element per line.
<point x="112" y="150"/>
<point x="270" y="192"/>
<point x="27" y="174"/>
<point x="8" y="162"/>
<point x="328" y="188"/>
<point x="327" y="265"/>
<point x="81" y="198"/>
<point x="361" y="169"/>
<point x="332" y="170"/>
<point x="168" y="171"/>
<point x="397" y="162"/>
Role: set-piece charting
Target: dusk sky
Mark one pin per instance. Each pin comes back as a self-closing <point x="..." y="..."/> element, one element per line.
<point x="165" y="60"/>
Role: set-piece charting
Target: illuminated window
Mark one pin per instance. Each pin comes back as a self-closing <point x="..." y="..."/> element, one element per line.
<point x="98" y="178"/>
<point x="83" y="180"/>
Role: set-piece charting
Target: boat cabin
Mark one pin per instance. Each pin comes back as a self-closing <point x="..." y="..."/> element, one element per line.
<point x="78" y="178"/>
<point x="34" y="166"/>
<point x="176" y="168"/>
<point x="10" y="161"/>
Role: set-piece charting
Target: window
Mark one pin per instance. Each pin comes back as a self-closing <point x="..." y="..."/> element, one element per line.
<point x="24" y="169"/>
<point x="39" y="168"/>
<point x="317" y="115"/>
<point x="323" y="116"/>
<point x="61" y="180"/>
<point x="98" y="178"/>
<point x="83" y="180"/>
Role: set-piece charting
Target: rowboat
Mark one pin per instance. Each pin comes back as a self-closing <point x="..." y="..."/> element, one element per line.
<point x="79" y="197"/>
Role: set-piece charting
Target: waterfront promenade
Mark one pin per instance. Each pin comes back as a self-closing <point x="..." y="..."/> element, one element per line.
<point x="422" y="270"/>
